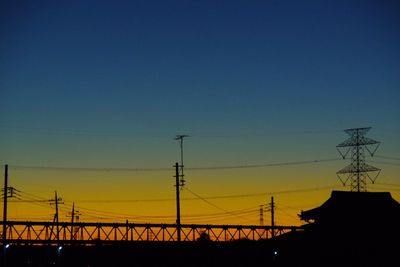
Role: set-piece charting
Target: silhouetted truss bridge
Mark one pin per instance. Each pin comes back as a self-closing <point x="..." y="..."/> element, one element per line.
<point x="36" y="233"/>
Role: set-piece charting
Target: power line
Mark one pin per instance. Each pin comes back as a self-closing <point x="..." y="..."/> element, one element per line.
<point x="84" y="132"/>
<point x="126" y="200"/>
<point x="212" y="204"/>
<point x="111" y="169"/>
<point x="292" y="191"/>
<point x="387" y="157"/>
<point x="122" y="215"/>
<point x="389" y="184"/>
<point x="60" y="168"/>
<point x="385" y="163"/>
<point x="110" y="215"/>
<point x="273" y="192"/>
<point x="106" y="133"/>
<point x="221" y="214"/>
<point x="287" y="214"/>
<point x="386" y="188"/>
<point x="262" y="165"/>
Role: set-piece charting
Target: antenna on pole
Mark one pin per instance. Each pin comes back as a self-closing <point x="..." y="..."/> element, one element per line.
<point x="357" y="172"/>
<point x="180" y="139"/>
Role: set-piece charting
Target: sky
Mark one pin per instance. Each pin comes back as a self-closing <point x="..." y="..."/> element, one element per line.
<point x="107" y="85"/>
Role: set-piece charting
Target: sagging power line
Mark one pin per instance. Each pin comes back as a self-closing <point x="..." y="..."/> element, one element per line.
<point x="270" y="193"/>
<point x="94" y="169"/>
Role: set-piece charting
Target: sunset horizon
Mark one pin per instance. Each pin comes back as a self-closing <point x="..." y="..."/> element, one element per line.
<point x="199" y="133"/>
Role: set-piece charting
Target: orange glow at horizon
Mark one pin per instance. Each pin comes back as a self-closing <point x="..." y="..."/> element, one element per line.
<point x="150" y="197"/>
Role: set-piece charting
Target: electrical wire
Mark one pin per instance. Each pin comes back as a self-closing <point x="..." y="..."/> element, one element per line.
<point x="389" y="184"/>
<point x="286" y="213"/>
<point x="111" y="169"/>
<point x="384" y="163"/>
<point x="126" y="200"/>
<point x="293" y="191"/>
<point x="201" y="168"/>
<point x="212" y="204"/>
<point x="101" y="214"/>
<point x="109" y="215"/>
<point x="84" y="169"/>
<point x="386" y="188"/>
<point x="65" y="131"/>
<point x="387" y="157"/>
<point x="302" y="190"/>
<point x="262" y="165"/>
<point x="225" y="214"/>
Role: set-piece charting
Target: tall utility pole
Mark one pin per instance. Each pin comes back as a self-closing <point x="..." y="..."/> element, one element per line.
<point x="5" y="214"/>
<point x="56" y="201"/>
<point x="178" y="207"/>
<point x="72" y="220"/>
<point x="74" y="214"/>
<point x="272" y="210"/>
<point x="358" y="171"/>
<point x="179" y="183"/>
<point x="56" y="218"/>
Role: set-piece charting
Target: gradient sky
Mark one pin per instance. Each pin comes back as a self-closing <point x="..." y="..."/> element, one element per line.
<point x="110" y="83"/>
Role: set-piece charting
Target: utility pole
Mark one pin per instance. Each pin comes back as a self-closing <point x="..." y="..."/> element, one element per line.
<point x="178" y="208"/>
<point x="72" y="220"/>
<point x="56" y="218"/>
<point x="179" y="183"/>
<point x="272" y="209"/>
<point x="5" y="215"/>
<point x="74" y="214"/>
<point x="56" y="201"/>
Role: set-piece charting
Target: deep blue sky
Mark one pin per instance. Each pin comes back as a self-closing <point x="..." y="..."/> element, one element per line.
<point x="74" y="71"/>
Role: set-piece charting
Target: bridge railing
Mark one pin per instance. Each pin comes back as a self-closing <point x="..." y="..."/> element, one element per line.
<point x="92" y="233"/>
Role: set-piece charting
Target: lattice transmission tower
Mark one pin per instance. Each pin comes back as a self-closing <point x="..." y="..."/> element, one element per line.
<point x="357" y="173"/>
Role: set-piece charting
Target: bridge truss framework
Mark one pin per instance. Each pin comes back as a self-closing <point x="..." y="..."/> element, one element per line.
<point x="36" y="233"/>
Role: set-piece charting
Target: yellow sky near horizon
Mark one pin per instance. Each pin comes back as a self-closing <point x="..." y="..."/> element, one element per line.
<point x="230" y="196"/>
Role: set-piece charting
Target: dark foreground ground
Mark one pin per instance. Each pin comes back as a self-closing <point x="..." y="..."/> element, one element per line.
<point x="298" y="250"/>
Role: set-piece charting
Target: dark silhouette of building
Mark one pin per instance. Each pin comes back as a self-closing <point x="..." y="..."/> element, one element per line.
<point x="356" y="212"/>
<point x="352" y="229"/>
